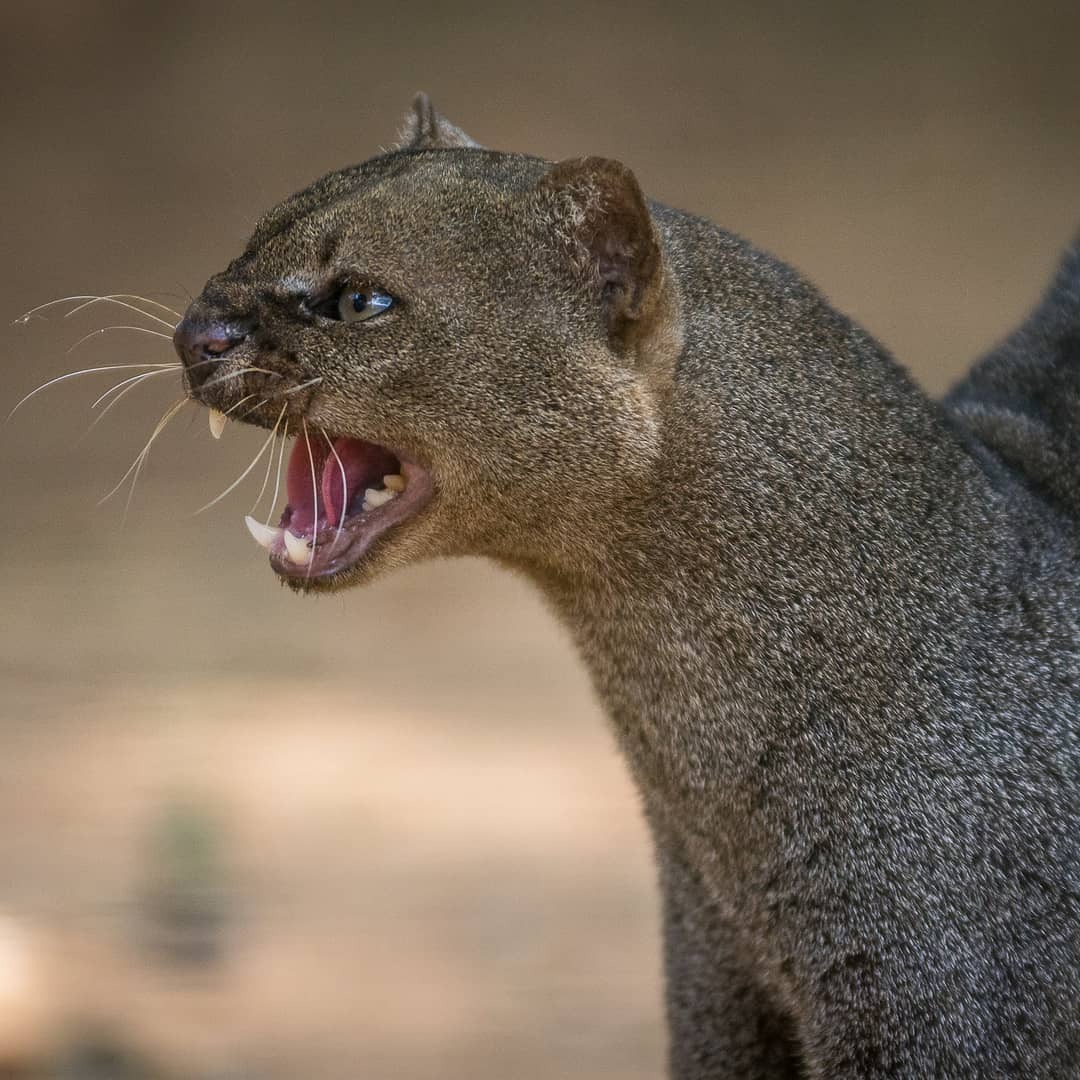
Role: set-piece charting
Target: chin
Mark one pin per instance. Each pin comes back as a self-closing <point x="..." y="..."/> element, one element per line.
<point x="394" y="551"/>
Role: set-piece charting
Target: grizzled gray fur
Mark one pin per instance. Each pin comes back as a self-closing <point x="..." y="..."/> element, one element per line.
<point x="835" y="623"/>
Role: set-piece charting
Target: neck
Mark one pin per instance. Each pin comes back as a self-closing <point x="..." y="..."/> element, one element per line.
<point x="770" y="602"/>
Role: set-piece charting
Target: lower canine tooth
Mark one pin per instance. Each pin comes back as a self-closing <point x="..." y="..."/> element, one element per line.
<point x="297" y="549"/>
<point x="217" y="423"/>
<point x="373" y="498"/>
<point x="394" y="482"/>
<point x="264" y="534"/>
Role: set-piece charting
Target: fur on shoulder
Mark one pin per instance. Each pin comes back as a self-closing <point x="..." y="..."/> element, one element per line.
<point x="1022" y="400"/>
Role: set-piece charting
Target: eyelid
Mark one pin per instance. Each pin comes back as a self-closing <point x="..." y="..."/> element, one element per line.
<point x="323" y="301"/>
<point x="333" y="288"/>
<point x="325" y="296"/>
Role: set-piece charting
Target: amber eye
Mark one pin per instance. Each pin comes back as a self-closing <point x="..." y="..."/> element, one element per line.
<point x="355" y="306"/>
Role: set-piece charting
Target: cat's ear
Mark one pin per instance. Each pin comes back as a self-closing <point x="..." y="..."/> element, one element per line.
<point x="425" y="129"/>
<point x="598" y="210"/>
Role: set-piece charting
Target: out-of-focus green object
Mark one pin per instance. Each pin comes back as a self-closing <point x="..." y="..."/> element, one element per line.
<point x="184" y="897"/>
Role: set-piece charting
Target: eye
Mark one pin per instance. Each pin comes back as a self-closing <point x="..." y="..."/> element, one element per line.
<point x="355" y="305"/>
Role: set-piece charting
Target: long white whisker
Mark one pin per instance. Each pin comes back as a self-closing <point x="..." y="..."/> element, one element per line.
<point x="120" y="303"/>
<point x="74" y="374"/>
<point x="134" y="381"/>
<point x="161" y="425"/>
<point x="123" y="393"/>
<point x="106" y="329"/>
<point x="120" y="299"/>
<point x="277" y="482"/>
<point x="269" y="466"/>
<point x="153" y="303"/>
<point x="142" y="459"/>
<point x="246" y="397"/>
<point x="239" y="403"/>
<point x="219" y="379"/>
<point x="255" y="461"/>
<point x="315" y="496"/>
<point x="302" y="386"/>
<point x="130" y="380"/>
<point x="247" y="412"/>
<point x="115" y="298"/>
<point x="234" y="374"/>
<point x="344" y="484"/>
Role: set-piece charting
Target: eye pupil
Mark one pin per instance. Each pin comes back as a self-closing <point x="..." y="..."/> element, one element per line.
<point x="359" y="301"/>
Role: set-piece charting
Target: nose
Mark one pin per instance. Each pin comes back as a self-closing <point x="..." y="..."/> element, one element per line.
<point x="200" y="345"/>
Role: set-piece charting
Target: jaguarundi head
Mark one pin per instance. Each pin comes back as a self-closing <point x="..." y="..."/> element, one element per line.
<point x="467" y="345"/>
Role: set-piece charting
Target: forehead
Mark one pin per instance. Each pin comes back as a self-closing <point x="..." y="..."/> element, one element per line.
<point x="407" y="195"/>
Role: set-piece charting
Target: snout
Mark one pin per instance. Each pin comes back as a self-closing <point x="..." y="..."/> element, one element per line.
<point x="201" y="346"/>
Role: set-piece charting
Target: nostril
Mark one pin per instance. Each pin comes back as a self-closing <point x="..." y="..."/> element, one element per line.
<point x="198" y="344"/>
<point x="218" y="345"/>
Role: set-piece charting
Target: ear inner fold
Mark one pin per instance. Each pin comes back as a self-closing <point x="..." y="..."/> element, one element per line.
<point x="612" y="234"/>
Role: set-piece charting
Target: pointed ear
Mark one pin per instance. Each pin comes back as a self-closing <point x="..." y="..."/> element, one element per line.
<point x="425" y="129"/>
<point x="602" y="215"/>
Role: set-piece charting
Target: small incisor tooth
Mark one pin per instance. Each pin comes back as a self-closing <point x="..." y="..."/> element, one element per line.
<point x="217" y="423"/>
<point x="373" y="498"/>
<point x="395" y="482"/>
<point x="297" y="549"/>
<point x="264" y="534"/>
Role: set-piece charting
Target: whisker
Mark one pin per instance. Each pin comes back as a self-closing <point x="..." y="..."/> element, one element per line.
<point x="115" y="298"/>
<point x="258" y="405"/>
<point x="161" y="425"/>
<point x="277" y="482"/>
<point x="133" y="379"/>
<point x="254" y="462"/>
<point x="138" y="378"/>
<point x="123" y="393"/>
<point x="120" y="299"/>
<point x="235" y="405"/>
<point x="74" y="374"/>
<point x="269" y="466"/>
<point x="247" y="412"/>
<point x="297" y="389"/>
<point x="142" y="459"/>
<point x="248" y="397"/>
<point x="315" y="496"/>
<point x="106" y="329"/>
<point x="344" y="484"/>
<point x="235" y="374"/>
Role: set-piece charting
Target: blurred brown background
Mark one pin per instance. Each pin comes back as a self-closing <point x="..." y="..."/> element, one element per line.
<point x="386" y="834"/>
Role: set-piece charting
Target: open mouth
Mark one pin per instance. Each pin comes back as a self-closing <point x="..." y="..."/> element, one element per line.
<point x="343" y="494"/>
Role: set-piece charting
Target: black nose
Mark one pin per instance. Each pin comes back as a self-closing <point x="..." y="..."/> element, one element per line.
<point x="201" y="345"/>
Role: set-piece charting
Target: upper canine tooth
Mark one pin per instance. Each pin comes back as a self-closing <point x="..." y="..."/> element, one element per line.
<point x="395" y="482"/>
<point x="264" y="534"/>
<point x="217" y="422"/>
<point x="373" y="497"/>
<point x="297" y="548"/>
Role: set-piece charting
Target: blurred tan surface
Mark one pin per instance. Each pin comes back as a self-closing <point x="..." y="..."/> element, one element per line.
<point x="432" y="863"/>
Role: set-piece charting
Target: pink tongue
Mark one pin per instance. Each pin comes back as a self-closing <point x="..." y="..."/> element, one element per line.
<point x="339" y="479"/>
<point x="302" y="480"/>
<point x="346" y="475"/>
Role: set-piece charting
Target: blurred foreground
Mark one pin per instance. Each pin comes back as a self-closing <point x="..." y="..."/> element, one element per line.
<point x="227" y="877"/>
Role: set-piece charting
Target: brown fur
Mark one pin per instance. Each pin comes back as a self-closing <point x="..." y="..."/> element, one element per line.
<point x="835" y="625"/>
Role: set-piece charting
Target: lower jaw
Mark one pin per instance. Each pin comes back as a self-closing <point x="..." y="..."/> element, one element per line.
<point x="335" y="550"/>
